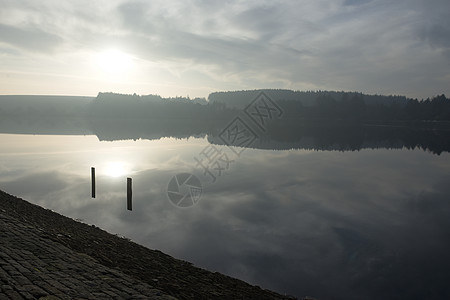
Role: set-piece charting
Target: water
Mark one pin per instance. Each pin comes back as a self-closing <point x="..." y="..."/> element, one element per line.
<point x="330" y="224"/>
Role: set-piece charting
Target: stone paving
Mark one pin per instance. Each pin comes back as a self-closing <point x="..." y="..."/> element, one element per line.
<point x="35" y="267"/>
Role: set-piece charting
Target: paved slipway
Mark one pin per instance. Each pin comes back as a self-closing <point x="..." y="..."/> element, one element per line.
<point x="44" y="255"/>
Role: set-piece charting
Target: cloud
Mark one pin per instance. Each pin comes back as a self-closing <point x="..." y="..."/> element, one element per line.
<point x="370" y="46"/>
<point x="37" y="184"/>
<point x="31" y="39"/>
<point x="437" y="35"/>
<point x="356" y="2"/>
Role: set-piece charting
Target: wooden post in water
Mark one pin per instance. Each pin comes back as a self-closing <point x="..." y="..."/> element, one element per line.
<point x="93" y="181"/>
<point x="129" y="195"/>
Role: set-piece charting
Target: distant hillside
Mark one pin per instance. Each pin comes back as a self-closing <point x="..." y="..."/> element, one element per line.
<point x="113" y="105"/>
<point x="36" y="106"/>
<point x="44" y="114"/>
<point x="240" y="99"/>
<point x="321" y="105"/>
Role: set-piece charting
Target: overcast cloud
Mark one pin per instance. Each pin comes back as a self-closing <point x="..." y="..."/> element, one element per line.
<point x="197" y="47"/>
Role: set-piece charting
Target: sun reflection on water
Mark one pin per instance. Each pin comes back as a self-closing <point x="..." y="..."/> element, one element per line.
<point x="116" y="169"/>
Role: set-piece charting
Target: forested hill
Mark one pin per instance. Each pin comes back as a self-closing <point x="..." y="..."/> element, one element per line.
<point x="323" y="106"/>
<point x="240" y="99"/>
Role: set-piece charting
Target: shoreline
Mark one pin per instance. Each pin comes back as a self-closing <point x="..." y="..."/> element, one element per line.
<point x="172" y="276"/>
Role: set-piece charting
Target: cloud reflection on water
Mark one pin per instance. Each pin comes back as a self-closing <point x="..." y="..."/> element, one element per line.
<point x="364" y="224"/>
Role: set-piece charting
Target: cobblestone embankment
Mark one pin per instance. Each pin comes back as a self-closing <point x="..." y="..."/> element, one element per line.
<point x="44" y="255"/>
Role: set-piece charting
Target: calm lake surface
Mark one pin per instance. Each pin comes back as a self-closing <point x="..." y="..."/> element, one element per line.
<point x="334" y="225"/>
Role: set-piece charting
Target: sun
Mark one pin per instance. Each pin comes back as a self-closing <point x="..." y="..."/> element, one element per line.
<point x="113" y="61"/>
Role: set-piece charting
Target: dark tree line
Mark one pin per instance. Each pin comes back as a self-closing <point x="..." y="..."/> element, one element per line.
<point x="437" y="108"/>
<point x="239" y="99"/>
<point x="110" y="105"/>
<point x="354" y="108"/>
<point x="320" y="105"/>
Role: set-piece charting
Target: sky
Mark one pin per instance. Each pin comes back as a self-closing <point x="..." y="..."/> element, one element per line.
<point x="193" y="48"/>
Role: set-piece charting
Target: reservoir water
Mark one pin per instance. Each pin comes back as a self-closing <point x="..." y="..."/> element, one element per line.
<point x="331" y="224"/>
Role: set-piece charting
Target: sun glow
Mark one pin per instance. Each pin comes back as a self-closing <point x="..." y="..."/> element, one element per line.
<point x="113" y="62"/>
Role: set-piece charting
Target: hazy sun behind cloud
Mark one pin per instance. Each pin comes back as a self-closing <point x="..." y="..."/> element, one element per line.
<point x="113" y="62"/>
